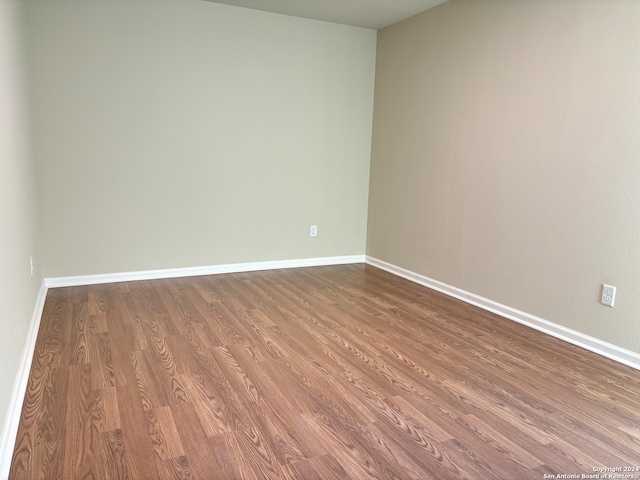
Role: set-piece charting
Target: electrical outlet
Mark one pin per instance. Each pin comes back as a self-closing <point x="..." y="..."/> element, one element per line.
<point x="31" y="264"/>
<point x="314" y="231"/>
<point x="608" y="295"/>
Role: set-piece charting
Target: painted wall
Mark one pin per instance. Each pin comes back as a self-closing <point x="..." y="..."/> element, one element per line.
<point x="187" y="133"/>
<point x="506" y="156"/>
<point x="18" y="221"/>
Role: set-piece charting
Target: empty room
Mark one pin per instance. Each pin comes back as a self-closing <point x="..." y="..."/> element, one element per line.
<point x="315" y="239"/>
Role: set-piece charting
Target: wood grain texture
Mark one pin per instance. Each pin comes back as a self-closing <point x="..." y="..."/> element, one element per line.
<point x="341" y="372"/>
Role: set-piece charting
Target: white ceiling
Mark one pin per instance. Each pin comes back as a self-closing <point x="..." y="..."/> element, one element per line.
<point x="361" y="13"/>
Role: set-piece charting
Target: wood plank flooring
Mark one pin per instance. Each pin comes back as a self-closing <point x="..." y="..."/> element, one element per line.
<point x="318" y="373"/>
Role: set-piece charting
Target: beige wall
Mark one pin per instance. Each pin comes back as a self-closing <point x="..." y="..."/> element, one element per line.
<point x="188" y="133"/>
<point x="18" y="232"/>
<point x="504" y="159"/>
<point x="506" y="156"/>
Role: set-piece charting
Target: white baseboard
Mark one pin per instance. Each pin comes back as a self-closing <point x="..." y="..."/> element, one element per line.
<point x="619" y="354"/>
<point x="196" y="271"/>
<point x="9" y="432"/>
<point x="12" y="419"/>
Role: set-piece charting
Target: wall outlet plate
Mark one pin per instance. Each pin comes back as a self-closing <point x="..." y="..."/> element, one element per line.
<point x="608" y="296"/>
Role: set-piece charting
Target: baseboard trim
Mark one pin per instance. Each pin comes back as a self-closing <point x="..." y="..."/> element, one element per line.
<point x="619" y="354"/>
<point x="12" y="419"/>
<point x="197" y="271"/>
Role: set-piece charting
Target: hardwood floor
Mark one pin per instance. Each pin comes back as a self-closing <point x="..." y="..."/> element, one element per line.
<point x="318" y="373"/>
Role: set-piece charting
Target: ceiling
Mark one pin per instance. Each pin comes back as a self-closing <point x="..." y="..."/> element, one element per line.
<point x="360" y="13"/>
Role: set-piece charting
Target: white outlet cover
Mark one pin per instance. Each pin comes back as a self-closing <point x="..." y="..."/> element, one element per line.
<point x="608" y="296"/>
